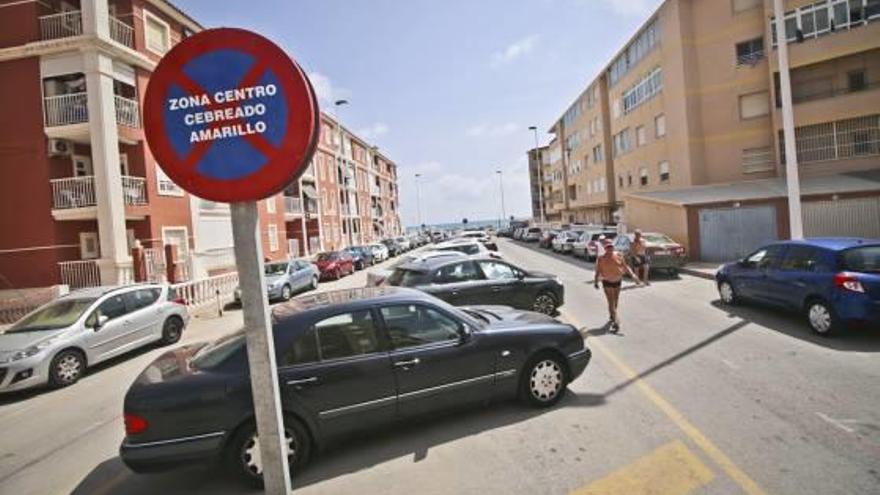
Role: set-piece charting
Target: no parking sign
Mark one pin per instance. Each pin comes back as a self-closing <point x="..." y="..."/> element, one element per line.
<point x="230" y="117"/>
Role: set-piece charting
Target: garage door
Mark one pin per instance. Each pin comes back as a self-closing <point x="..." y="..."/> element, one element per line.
<point x="730" y="233"/>
<point x="842" y="218"/>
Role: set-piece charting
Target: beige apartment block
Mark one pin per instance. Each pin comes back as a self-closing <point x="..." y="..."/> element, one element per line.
<point x="691" y="126"/>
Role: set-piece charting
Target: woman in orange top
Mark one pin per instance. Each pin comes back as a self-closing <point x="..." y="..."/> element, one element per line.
<point x="610" y="268"/>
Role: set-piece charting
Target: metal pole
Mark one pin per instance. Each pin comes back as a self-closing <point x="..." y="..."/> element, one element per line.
<point x="260" y="347"/>
<point x="501" y="185"/>
<point x="540" y="178"/>
<point x="419" y="200"/>
<point x="795" y="220"/>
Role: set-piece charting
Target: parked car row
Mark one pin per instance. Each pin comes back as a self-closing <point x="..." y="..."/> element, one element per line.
<point x="585" y="241"/>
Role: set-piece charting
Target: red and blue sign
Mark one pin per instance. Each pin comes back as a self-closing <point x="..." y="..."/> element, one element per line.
<point x="229" y="116"/>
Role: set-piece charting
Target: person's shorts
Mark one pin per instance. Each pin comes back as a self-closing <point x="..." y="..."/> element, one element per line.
<point x="639" y="260"/>
<point x="608" y="284"/>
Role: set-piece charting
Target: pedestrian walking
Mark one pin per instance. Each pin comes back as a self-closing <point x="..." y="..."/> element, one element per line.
<point x="640" y="260"/>
<point x="610" y="268"/>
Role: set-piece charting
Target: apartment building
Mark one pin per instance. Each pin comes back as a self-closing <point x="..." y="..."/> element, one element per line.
<point x="79" y="184"/>
<point x="538" y="163"/>
<point x="690" y="126"/>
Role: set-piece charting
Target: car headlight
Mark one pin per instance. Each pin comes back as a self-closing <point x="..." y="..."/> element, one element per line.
<point x="30" y="351"/>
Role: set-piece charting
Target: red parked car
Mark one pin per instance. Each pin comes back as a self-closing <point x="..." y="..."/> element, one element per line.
<point x="335" y="264"/>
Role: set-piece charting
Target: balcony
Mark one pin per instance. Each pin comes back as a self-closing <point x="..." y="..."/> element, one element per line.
<point x="75" y="193"/>
<point x="73" y="109"/>
<point x="375" y="190"/>
<point x="293" y="206"/>
<point x="121" y="32"/>
<point x="62" y="25"/>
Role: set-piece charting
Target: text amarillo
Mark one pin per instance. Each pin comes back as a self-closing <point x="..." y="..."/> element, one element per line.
<point x="234" y="115"/>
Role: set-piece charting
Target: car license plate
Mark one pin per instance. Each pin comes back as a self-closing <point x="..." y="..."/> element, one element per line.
<point x="662" y="252"/>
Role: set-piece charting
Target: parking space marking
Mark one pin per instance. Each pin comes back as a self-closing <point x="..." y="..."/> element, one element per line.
<point x="670" y="470"/>
<point x="693" y="433"/>
<point x="839" y="423"/>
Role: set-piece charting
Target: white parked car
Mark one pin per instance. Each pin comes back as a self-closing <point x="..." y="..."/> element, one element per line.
<point x="57" y="341"/>
<point x="377" y="276"/>
<point x="468" y="247"/>
<point x="380" y="252"/>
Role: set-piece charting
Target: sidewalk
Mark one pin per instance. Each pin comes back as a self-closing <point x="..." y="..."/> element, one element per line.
<point x="701" y="269"/>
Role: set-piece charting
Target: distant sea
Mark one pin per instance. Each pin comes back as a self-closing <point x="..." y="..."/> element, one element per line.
<point x="472" y="224"/>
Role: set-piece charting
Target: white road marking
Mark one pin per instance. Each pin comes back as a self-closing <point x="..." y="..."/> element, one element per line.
<point x="730" y="364"/>
<point x="837" y="422"/>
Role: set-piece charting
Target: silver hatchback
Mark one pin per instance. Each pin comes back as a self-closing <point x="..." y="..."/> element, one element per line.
<point x="56" y="342"/>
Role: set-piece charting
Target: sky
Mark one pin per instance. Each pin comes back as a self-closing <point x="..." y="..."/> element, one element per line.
<point x="445" y="88"/>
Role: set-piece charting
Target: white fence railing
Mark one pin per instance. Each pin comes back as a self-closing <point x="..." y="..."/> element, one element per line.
<point x="127" y="112"/>
<point x="79" y="274"/>
<point x="66" y="109"/>
<point x="207" y="290"/>
<point x="293" y="205"/>
<point x="154" y="264"/>
<point x="134" y="189"/>
<point x="73" y="192"/>
<point x="63" y="25"/>
<point x="121" y="32"/>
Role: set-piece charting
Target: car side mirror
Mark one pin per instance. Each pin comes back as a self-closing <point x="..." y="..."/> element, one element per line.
<point x="100" y="322"/>
<point x="520" y="275"/>
<point x="464" y="334"/>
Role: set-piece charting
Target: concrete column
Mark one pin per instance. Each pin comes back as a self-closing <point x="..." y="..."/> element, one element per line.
<point x="96" y="18"/>
<point x="105" y="161"/>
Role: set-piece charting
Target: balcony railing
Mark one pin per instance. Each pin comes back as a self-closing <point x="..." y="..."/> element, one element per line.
<point x="750" y="58"/>
<point x="66" y="109"/>
<point x="293" y="206"/>
<point x="63" y="25"/>
<point x="80" y="273"/>
<point x="121" y="32"/>
<point x="375" y="190"/>
<point x="127" y="112"/>
<point x="134" y="190"/>
<point x="79" y="192"/>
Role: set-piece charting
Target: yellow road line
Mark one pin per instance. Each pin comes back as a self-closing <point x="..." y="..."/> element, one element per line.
<point x="670" y="470"/>
<point x="725" y="463"/>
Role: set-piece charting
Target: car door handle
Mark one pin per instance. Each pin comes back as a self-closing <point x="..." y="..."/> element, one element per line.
<point x="303" y="381"/>
<point x="407" y="364"/>
<point x="496" y="289"/>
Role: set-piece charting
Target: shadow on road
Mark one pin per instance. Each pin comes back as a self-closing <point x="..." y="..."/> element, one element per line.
<point x="412" y="439"/>
<point x="859" y="339"/>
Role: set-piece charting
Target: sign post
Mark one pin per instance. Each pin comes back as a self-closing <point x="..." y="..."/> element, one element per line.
<point x="231" y="118"/>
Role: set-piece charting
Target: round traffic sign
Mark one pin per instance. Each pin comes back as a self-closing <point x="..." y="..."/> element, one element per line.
<point x="229" y="116"/>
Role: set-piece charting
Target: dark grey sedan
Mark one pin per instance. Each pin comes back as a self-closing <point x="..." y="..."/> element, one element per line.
<point x="348" y="361"/>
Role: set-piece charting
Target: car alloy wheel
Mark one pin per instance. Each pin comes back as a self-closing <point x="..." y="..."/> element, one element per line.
<point x="252" y="460"/>
<point x="821" y="318"/>
<point x="545" y="303"/>
<point x="67" y="368"/>
<point x="172" y="329"/>
<point x="544" y="380"/>
<point x="285" y="292"/>
<point x="725" y="290"/>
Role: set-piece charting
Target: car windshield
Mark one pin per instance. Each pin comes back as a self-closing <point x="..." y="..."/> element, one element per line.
<point x="402" y="277"/>
<point x="658" y="239"/>
<point x="58" y="314"/>
<point x="862" y="259"/>
<point x="276" y="268"/>
<point x="216" y="352"/>
<point x="328" y="256"/>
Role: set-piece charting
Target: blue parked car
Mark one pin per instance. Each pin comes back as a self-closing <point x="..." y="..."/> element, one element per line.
<point x="833" y="281"/>
<point x="285" y="278"/>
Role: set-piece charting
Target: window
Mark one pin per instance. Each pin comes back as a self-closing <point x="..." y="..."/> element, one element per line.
<point x="821" y="18"/>
<point x="88" y="245"/>
<point x="800" y="258"/>
<point x="347" y="334"/>
<point x="458" y="272"/>
<point x="112" y="307"/>
<point x="641" y="137"/>
<point x="629" y="179"/>
<point x="414" y="325"/>
<point x="643" y="90"/>
<point x="765" y="258"/>
<point x="141" y="298"/>
<point x="597" y="154"/>
<point x="157" y="34"/>
<point x="836" y="140"/>
<point x="495" y="270"/>
<point x="273" y="237"/>
<point x="166" y="187"/>
<point x="620" y="180"/>
<point x="757" y="159"/>
<point x="643" y="176"/>
<point x="622" y="142"/>
<point x="303" y="349"/>
<point x="660" y="125"/>
<point x="642" y="45"/>
<point x="754" y="105"/>
<point x="270" y="205"/>
<point x="664" y="171"/>
<point x="856" y="80"/>
<point x="743" y="5"/>
<point x="750" y="52"/>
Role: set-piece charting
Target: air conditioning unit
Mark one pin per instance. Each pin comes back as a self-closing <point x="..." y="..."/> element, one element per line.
<point x="60" y="147"/>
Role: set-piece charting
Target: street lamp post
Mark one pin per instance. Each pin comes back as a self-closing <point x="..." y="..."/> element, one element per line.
<point x="418" y="202"/>
<point x="340" y="157"/>
<point x="540" y="176"/>
<point x="795" y="221"/>
<point x="501" y="186"/>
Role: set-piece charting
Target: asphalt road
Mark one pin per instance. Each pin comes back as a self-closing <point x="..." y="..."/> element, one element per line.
<point x="690" y="397"/>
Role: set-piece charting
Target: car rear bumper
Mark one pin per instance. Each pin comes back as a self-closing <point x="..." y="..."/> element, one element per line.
<point x="168" y="454"/>
<point x="666" y="262"/>
<point x="858" y="307"/>
<point x="578" y="361"/>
